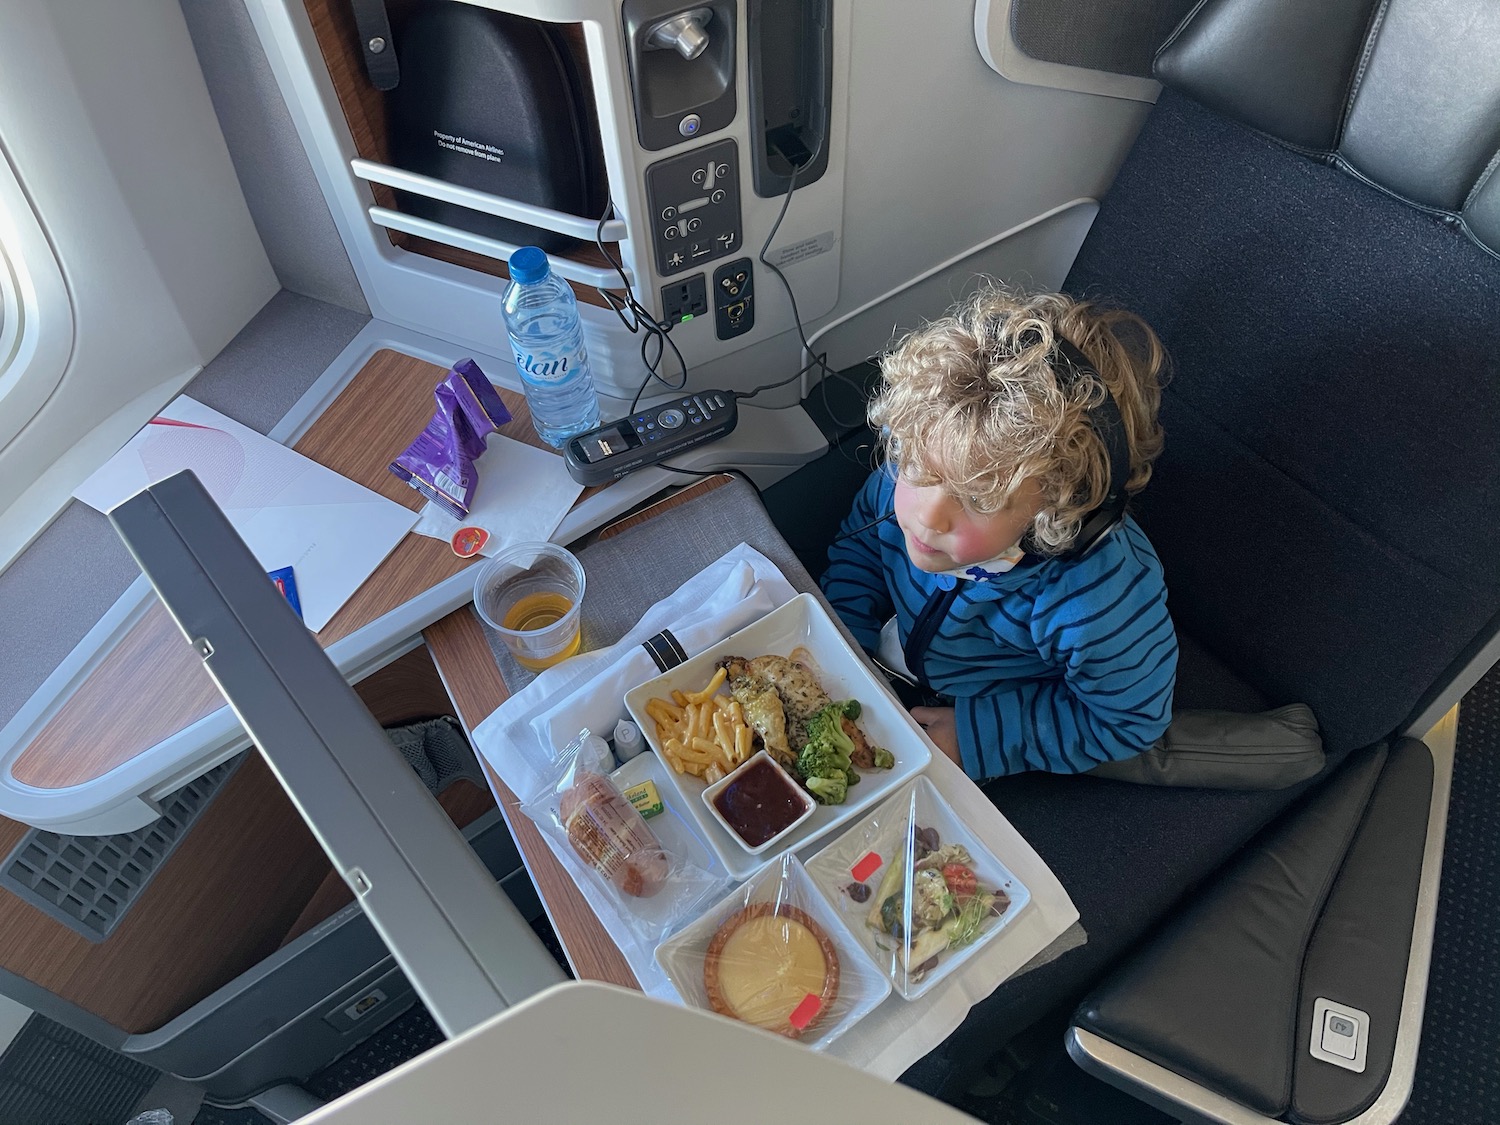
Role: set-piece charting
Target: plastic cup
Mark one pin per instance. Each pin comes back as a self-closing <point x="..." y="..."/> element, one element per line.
<point x="531" y="594"/>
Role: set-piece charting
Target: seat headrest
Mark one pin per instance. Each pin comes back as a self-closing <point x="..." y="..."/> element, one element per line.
<point x="1402" y="93"/>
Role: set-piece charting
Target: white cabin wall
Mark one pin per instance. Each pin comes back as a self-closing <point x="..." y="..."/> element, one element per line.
<point x="945" y="154"/>
<point x="275" y="174"/>
<point x="107" y="128"/>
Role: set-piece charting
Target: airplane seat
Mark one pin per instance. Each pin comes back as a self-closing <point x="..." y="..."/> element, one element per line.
<point x="1310" y="219"/>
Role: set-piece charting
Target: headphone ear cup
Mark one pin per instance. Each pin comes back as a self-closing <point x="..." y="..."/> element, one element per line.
<point x="1095" y="529"/>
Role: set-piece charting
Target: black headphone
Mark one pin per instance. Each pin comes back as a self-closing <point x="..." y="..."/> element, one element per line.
<point x="1104" y="419"/>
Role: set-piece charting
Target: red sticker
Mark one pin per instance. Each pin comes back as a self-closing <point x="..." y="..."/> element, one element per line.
<point x="468" y="540"/>
<point x="866" y="867"/>
<point x="805" y="1012"/>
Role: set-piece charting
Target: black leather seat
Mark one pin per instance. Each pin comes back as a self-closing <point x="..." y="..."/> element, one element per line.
<point x="1311" y="220"/>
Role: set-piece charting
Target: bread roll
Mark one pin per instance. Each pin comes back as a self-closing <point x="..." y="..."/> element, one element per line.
<point x="611" y="837"/>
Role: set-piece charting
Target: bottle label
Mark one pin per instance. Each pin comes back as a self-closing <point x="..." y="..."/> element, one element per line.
<point x="546" y="369"/>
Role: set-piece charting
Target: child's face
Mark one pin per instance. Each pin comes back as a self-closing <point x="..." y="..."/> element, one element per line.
<point x="943" y="532"/>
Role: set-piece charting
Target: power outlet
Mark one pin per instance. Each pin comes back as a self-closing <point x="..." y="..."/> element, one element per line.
<point x="683" y="300"/>
<point x="734" y="299"/>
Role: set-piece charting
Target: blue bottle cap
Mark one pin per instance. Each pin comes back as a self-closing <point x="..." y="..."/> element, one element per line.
<point x="527" y="265"/>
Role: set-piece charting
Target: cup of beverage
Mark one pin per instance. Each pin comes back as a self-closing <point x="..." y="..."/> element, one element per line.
<point x="531" y="594"/>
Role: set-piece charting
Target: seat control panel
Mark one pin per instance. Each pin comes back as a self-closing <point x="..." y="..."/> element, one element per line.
<point x="695" y="207"/>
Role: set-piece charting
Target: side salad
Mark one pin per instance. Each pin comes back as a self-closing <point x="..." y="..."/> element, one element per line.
<point x="929" y="901"/>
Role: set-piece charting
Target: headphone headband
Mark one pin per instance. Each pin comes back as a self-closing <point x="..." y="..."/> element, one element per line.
<point x="1105" y="420"/>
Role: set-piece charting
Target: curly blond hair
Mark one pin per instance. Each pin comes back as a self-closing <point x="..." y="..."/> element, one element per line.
<point x="971" y="402"/>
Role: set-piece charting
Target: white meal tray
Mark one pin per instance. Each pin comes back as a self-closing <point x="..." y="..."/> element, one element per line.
<point x="800" y="623"/>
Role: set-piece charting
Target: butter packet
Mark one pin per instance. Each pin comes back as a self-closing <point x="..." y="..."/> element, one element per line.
<point x="645" y="799"/>
<point x="440" y="463"/>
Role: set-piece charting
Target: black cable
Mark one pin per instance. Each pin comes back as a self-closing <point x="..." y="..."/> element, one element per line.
<point x="641" y="321"/>
<point x="817" y="360"/>
<point x="715" y="473"/>
<point x="863" y="527"/>
<point x="658" y="332"/>
<point x="801" y="371"/>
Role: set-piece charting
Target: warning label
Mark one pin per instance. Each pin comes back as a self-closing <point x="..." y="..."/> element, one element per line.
<point x="801" y="251"/>
<point x="468" y="147"/>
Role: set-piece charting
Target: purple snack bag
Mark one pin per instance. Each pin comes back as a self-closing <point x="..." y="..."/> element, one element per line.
<point x="440" y="463"/>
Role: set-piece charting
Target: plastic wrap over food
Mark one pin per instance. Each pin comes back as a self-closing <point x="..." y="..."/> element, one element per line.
<point x="775" y="955"/>
<point x="654" y="882"/>
<point x="440" y="463"/>
<point x="918" y="889"/>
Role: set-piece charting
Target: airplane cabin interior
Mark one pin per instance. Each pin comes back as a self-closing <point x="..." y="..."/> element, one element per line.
<point x="291" y="289"/>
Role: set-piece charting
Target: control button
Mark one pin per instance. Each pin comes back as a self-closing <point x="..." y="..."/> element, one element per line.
<point x="726" y="240"/>
<point x="650" y="425"/>
<point x="670" y="419"/>
<point x="668" y="214"/>
<point x="675" y="259"/>
<point x="671" y="231"/>
<point x="717" y="196"/>
<point x="694" y="224"/>
<point x="1340" y="1034"/>
<point x="690" y="125"/>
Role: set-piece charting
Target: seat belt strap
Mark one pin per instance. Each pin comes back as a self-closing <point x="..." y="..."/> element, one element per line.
<point x="374" y="27"/>
<point x="928" y="622"/>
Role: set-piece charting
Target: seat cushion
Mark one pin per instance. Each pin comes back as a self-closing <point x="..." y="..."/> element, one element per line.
<point x="1126" y="854"/>
<point x="1325" y="510"/>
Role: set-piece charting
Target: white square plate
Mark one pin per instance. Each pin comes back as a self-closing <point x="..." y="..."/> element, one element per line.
<point x="800" y="623"/>
<point x="861" y="985"/>
<point x="867" y="850"/>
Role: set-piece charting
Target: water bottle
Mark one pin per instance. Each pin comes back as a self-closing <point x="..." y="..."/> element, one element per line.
<point x="541" y="318"/>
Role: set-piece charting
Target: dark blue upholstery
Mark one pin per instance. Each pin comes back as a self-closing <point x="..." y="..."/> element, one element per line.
<point x="1327" y="508"/>
<point x="1328" y="505"/>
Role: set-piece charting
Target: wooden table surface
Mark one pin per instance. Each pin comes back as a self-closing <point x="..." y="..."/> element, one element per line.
<point x="461" y="652"/>
<point x="152" y="685"/>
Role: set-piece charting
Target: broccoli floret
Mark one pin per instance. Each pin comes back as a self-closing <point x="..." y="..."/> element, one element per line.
<point x="884" y="759"/>
<point x="818" y="759"/>
<point x="828" y="790"/>
<point x="827" y="744"/>
<point x="824" y="761"/>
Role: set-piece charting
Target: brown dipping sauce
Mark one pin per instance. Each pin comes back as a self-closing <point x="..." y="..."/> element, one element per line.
<point x="760" y="802"/>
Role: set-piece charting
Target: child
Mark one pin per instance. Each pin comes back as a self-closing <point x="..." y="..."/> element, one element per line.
<point x="1044" y="658"/>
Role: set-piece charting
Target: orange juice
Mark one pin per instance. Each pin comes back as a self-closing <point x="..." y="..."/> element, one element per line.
<point x="536" y="612"/>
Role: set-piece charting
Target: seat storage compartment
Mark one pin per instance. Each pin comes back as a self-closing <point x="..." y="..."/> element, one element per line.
<point x="373" y="128"/>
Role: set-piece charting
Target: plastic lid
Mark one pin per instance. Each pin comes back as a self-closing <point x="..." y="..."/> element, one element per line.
<point x="528" y="265"/>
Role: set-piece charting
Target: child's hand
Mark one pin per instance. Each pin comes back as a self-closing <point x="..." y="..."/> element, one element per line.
<point x="942" y="728"/>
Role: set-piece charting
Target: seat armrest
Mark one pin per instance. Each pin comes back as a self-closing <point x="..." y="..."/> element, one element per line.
<point x="1335" y="903"/>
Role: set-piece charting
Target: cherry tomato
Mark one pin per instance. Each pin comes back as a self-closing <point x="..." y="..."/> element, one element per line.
<point x="961" y="880"/>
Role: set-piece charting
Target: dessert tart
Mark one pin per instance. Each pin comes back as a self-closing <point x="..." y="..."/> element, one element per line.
<point x="772" y="966"/>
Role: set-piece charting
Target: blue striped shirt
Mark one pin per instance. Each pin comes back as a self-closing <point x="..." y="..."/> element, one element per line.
<point x="1055" y="665"/>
